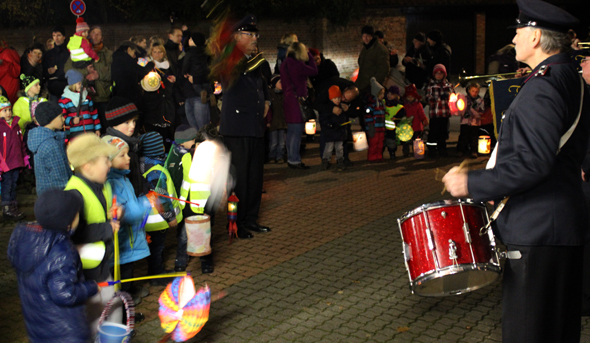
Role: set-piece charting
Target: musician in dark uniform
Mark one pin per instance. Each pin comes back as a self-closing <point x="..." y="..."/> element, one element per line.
<point x="245" y="104"/>
<point x="545" y="218"/>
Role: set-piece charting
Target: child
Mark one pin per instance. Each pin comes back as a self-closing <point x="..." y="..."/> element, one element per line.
<point x="192" y="191"/>
<point x="333" y="132"/>
<point x="414" y="108"/>
<point x="78" y="109"/>
<point x="80" y="48"/>
<point x="278" y="125"/>
<point x="487" y="119"/>
<point x="89" y="156"/>
<point x="437" y="96"/>
<point x="166" y="216"/>
<point x="49" y="272"/>
<point x="28" y="100"/>
<point x="13" y="158"/>
<point x="375" y="121"/>
<point x="133" y="245"/>
<point x="394" y="109"/>
<point x="52" y="169"/>
<point x="471" y="121"/>
<point x="121" y="115"/>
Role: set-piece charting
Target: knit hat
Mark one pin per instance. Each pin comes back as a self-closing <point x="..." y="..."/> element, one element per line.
<point x="435" y="35"/>
<point x="379" y="34"/>
<point x="314" y="51"/>
<point x="198" y="38"/>
<point x="87" y="147"/>
<point x="27" y="82"/>
<point x="152" y="144"/>
<point x="375" y="87"/>
<point x="394" y="90"/>
<point x="59" y="29"/>
<point x="73" y="77"/>
<point x="120" y="110"/>
<point x="334" y="92"/>
<point x="117" y="142"/>
<point x="56" y="210"/>
<point x="4" y="103"/>
<point x="368" y="29"/>
<point x="439" y="67"/>
<point x="184" y="133"/>
<point x="421" y="37"/>
<point x="411" y="90"/>
<point x="81" y="25"/>
<point x="47" y="111"/>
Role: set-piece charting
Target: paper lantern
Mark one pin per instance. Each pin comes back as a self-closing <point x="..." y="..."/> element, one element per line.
<point x="359" y="140"/>
<point x="405" y="132"/>
<point x="457" y="103"/>
<point x="484" y="145"/>
<point x="203" y="162"/>
<point x="217" y="87"/>
<point x="151" y="82"/>
<point x="419" y="149"/>
<point x="310" y="127"/>
<point x="355" y="75"/>
<point x="232" y="216"/>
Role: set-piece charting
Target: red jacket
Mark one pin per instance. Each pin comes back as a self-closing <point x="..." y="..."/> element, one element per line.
<point x="12" y="146"/>
<point x="9" y="72"/>
<point x="416" y="110"/>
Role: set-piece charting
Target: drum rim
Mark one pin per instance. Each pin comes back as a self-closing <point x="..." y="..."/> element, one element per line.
<point x="438" y="204"/>
<point x="451" y="270"/>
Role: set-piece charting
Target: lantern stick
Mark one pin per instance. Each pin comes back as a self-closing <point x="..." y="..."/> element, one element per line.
<point x="173" y="198"/>
<point x="117" y="271"/>
<point x="348" y="122"/>
<point x="149" y="277"/>
<point x="462" y="166"/>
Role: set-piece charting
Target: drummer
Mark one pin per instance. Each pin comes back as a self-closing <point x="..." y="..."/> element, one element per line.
<point x="545" y="218"/>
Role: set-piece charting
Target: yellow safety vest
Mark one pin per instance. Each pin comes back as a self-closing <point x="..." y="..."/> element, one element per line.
<point x="199" y="192"/>
<point x="76" y="51"/>
<point x="155" y="221"/>
<point x="390" y="113"/>
<point x="92" y="254"/>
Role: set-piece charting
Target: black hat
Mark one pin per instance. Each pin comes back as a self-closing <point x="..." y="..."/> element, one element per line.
<point x="368" y="29"/>
<point x="46" y="112"/>
<point x="55" y="209"/>
<point x="379" y="34"/>
<point x="59" y="29"/>
<point x="120" y="110"/>
<point x="435" y="35"/>
<point x="248" y="24"/>
<point x="128" y="44"/>
<point x="421" y="37"/>
<point x="543" y="15"/>
<point x="198" y="38"/>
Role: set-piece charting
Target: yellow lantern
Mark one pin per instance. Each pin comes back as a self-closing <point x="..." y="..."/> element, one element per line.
<point x="419" y="149"/>
<point x="484" y="145"/>
<point x="310" y="127"/>
<point x="359" y="140"/>
<point x="457" y="103"/>
<point x="151" y="82"/>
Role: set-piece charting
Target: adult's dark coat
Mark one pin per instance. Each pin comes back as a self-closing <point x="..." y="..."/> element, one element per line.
<point x="326" y="71"/>
<point x="58" y="56"/>
<point x="126" y="75"/>
<point x="414" y="73"/>
<point x="323" y="103"/>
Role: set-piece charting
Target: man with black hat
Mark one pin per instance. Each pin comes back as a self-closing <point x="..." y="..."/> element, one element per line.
<point x="373" y="60"/>
<point x="415" y="61"/>
<point x="245" y="104"/>
<point x="53" y="65"/>
<point x="537" y="163"/>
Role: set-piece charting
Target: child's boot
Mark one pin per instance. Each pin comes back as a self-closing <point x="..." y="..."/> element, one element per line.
<point x="9" y="213"/>
<point x="325" y="164"/>
<point x="341" y="165"/>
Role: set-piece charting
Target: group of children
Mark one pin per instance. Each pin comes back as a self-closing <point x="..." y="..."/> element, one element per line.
<point x="83" y="211"/>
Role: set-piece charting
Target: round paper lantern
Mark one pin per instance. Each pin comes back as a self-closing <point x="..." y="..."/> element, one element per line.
<point x="310" y="127"/>
<point x="419" y="149"/>
<point x="359" y="140"/>
<point x="457" y="103"/>
<point x="484" y="144"/>
<point x="405" y="132"/>
<point x="151" y="82"/>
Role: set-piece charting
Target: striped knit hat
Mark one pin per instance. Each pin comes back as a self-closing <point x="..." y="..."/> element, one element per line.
<point x="4" y="103"/>
<point x="81" y="25"/>
<point x="120" y="110"/>
<point x="185" y="133"/>
<point x="152" y="144"/>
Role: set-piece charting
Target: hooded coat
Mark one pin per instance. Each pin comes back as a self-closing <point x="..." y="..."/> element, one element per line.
<point x="52" y="169"/>
<point x="51" y="284"/>
<point x="294" y="74"/>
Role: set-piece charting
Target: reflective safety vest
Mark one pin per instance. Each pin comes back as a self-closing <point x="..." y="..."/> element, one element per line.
<point x="92" y="254"/>
<point x="199" y="192"/>
<point x="390" y="113"/>
<point x="76" y="51"/>
<point x="155" y="221"/>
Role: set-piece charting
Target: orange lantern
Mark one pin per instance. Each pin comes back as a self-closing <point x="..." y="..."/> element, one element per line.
<point x="484" y="145"/>
<point x="419" y="149"/>
<point x="457" y="103"/>
<point x="355" y="75"/>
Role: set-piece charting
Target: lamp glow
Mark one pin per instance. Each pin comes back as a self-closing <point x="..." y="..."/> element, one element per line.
<point x="310" y="128"/>
<point x="484" y="145"/>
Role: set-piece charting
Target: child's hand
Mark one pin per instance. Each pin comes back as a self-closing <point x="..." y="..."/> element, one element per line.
<point x="115" y="225"/>
<point x="172" y="78"/>
<point x="97" y="132"/>
<point x="336" y="110"/>
<point x="76" y="120"/>
<point x="173" y="224"/>
<point x="120" y="211"/>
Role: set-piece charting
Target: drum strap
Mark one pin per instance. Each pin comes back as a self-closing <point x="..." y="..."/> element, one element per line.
<point x="492" y="162"/>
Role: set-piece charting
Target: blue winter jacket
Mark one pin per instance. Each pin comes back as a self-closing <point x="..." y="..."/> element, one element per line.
<point x="51" y="284"/>
<point x="132" y="242"/>
<point x="52" y="169"/>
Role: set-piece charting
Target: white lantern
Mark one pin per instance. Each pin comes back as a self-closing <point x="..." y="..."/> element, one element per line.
<point x="151" y="82"/>
<point x="359" y="140"/>
<point x="310" y="127"/>
<point x="484" y="145"/>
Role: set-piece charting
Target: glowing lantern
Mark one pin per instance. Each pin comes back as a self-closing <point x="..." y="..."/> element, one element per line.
<point x="419" y="149"/>
<point x="151" y="82"/>
<point x="232" y="216"/>
<point x="217" y="87"/>
<point x="310" y="127"/>
<point x="355" y="75"/>
<point x="484" y="144"/>
<point x="203" y="162"/>
<point x="359" y="140"/>
<point x="457" y="104"/>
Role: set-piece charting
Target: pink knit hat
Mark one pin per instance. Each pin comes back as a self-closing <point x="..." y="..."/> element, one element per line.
<point x="81" y="25"/>
<point x="441" y="68"/>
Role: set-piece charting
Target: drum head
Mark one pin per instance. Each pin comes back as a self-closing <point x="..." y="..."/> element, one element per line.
<point x="456" y="280"/>
<point x="438" y="204"/>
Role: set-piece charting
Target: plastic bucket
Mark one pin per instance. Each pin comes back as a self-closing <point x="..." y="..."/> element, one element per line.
<point x="198" y="233"/>
<point x="112" y="333"/>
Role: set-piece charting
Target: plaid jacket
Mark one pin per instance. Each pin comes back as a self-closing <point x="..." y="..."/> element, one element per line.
<point x="375" y="114"/>
<point x="437" y="96"/>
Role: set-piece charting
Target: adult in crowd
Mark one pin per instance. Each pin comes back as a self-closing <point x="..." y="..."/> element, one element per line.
<point x="141" y="43"/>
<point x="284" y="44"/>
<point x="503" y="61"/>
<point x="9" y="71"/>
<point x="245" y="104"/>
<point x="54" y="63"/>
<point x="173" y="46"/>
<point x="441" y="52"/>
<point x="127" y="74"/>
<point x="541" y="146"/>
<point x="30" y="62"/>
<point x="393" y="57"/>
<point x="194" y="80"/>
<point x="295" y="69"/>
<point x="416" y="59"/>
<point x="327" y="69"/>
<point x="585" y="64"/>
<point x="373" y="60"/>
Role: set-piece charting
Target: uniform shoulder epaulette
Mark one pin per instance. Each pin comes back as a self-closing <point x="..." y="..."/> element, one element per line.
<point x="542" y="70"/>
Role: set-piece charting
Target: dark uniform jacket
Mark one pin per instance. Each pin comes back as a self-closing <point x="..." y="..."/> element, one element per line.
<point x="242" y="112"/>
<point x="546" y="205"/>
<point x="58" y="56"/>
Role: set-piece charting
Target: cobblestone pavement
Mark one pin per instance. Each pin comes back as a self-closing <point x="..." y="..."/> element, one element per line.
<point x="331" y="270"/>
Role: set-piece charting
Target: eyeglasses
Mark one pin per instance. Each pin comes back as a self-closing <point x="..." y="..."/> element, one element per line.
<point x="251" y="34"/>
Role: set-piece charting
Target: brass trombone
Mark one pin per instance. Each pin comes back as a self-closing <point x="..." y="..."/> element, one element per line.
<point x="583" y="44"/>
<point x="461" y="77"/>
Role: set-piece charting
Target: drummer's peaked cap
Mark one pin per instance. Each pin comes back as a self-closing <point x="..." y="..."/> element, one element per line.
<point x="543" y="15"/>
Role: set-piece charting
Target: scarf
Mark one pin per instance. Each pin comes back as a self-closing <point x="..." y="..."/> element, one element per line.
<point x="75" y="96"/>
<point x="98" y="47"/>
<point x="162" y="65"/>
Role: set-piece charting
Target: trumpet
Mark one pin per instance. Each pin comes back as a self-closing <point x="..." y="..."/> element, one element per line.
<point x="584" y="44"/>
<point x="461" y="77"/>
